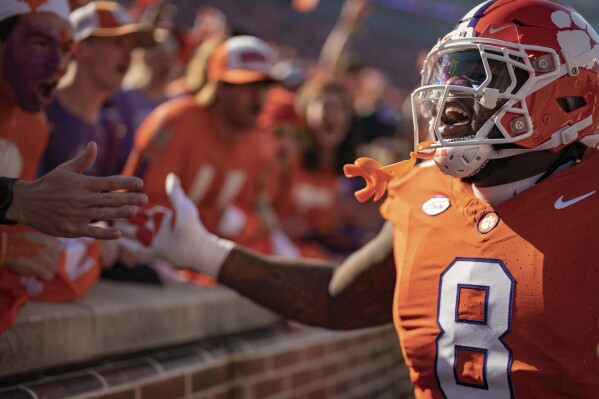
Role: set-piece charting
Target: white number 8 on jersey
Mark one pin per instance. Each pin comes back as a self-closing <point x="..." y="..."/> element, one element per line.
<point x="474" y="315"/>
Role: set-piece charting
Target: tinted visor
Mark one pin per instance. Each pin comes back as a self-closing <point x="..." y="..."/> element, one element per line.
<point x="467" y="68"/>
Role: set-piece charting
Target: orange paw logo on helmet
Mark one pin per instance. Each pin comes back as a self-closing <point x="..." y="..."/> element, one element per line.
<point x="34" y="4"/>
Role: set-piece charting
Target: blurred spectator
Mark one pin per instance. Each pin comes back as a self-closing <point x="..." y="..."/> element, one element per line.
<point x="195" y="72"/>
<point x="333" y="55"/>
<point x="25" y="91"/>
<point x="145" y="84"/>
<point x="323" y="209"/>
<point x="75" y="4"/>
<point x="376" y="118"/>
<point x="209" y="23"/>
<point x="210" y="140"/>
<point x="209" y="30"/>
<point x="280" y="119"/>
<point x="104" y="40"/>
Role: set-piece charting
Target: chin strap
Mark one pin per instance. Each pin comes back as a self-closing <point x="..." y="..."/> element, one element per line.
<point x="564" y="136"/>
<point x="376" y="176"/>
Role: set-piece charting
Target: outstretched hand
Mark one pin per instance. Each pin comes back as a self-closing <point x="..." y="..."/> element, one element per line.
<point x="64" y="201"/>
<point x="177" y="236"/>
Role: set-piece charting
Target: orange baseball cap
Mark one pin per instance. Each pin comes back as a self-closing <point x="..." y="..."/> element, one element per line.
<point x="241" y="59"/>
<point x="108" y="19"/>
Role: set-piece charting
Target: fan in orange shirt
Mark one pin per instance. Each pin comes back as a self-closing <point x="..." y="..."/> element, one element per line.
<point x="211" y="141"/>
<point x="323" y="206"/>
<point x="32" y="264"/>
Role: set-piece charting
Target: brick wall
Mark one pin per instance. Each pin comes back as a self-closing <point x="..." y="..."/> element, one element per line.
<point x="287" y="361"/>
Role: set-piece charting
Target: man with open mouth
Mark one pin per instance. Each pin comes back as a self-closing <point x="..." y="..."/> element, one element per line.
<point x="104" y="39"/>
<point x="492" y="285"/>
<point x="35" y="46"/>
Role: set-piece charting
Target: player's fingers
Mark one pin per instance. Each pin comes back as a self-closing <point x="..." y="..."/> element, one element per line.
<point x="184" y="207"/>
<point x="175" y="193"/>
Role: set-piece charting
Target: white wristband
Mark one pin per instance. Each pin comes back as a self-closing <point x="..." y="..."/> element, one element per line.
<point x="208" y="254"/>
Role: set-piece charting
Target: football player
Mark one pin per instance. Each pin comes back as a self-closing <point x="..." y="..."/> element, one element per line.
<point x="494" y="242"/>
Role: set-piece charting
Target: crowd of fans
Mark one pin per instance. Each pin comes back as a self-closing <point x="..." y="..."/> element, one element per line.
<point x="257" y="133"/>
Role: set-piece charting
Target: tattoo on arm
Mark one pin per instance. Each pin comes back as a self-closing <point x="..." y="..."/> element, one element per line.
<point x="359" y="293"/>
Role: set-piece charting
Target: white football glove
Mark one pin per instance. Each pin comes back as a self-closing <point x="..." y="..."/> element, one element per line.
<point x="177" y="236"/>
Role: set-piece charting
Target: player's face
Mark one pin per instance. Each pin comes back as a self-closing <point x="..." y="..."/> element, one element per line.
<point x="106" y="60"/>
<point x="463" y="115"/>
<point x="34" y="57"/>
<point x="242" y="103"/>
<point x="328" y="118"/>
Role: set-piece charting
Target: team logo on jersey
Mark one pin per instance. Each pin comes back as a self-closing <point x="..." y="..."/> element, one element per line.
<point x="487" y="222"/>
<point x="436" y="205"/>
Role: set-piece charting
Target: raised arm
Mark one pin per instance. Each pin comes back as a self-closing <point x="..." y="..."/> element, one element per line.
<point x="336" y="44"/>
<point x="356" y="294"/>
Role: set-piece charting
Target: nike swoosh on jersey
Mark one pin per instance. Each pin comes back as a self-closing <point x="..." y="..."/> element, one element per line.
<point x="495" y="30"/>
<point x="561" y="204"/>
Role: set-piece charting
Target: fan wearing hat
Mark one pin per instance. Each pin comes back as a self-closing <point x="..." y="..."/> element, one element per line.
<point x="212" y="142"/>
<point x="35" y="46"/>
<point x="104" y="38"/>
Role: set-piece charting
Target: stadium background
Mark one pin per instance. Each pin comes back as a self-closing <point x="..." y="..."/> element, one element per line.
<point x="389" y="39"/>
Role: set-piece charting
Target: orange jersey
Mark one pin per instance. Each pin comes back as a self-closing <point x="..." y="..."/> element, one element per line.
<point x="314" y="195"/>
<point x="498" y="301"/>
<point x="78" y="270"/>
<point x="180" y="137"/>
<point x="23" y="139"/>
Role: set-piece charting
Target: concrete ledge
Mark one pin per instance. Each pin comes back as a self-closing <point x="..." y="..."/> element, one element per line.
<point x="119" y="318"/>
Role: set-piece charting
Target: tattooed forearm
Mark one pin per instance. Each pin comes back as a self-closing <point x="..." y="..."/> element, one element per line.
<point x="295" y="289"/>
<point x="361" y="295"/>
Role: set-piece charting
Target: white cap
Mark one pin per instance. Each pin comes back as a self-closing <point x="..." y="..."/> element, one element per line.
<point x="241" y="59"/>
<point x="10" y="8"/>
<point x="108" y="19"/>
